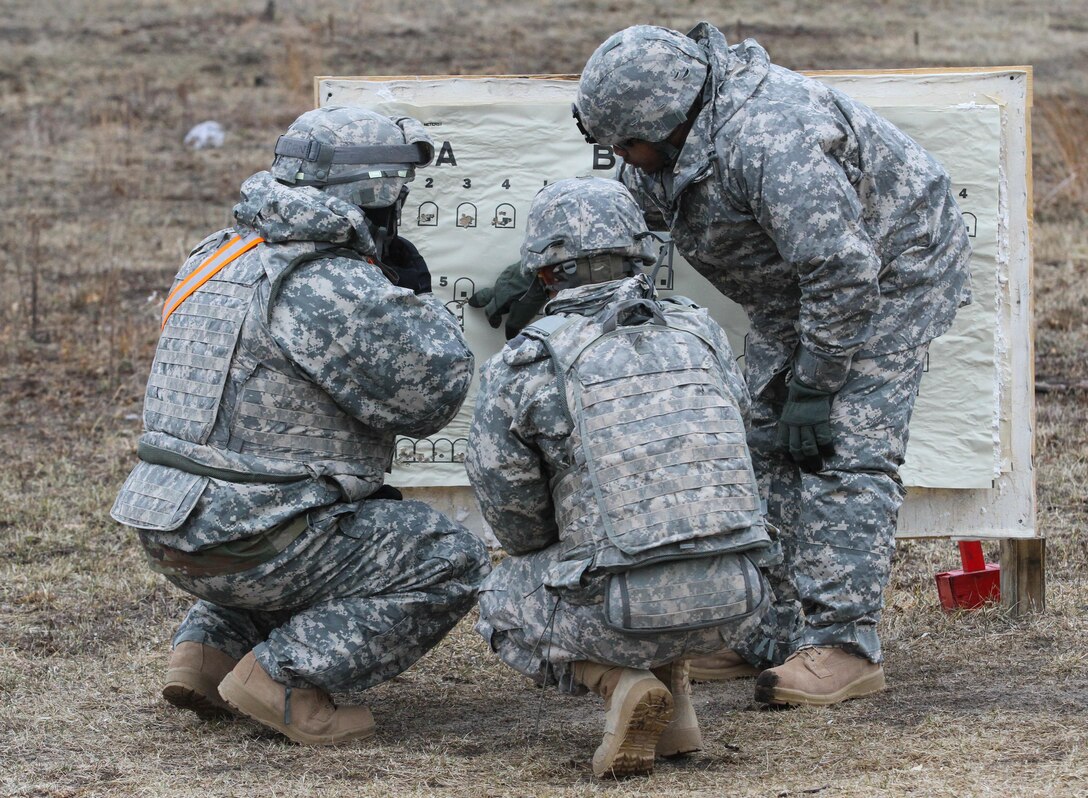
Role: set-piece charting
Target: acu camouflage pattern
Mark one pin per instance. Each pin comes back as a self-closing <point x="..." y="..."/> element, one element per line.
<point x="545" y="606"/>
<point x="580" y="218"/>
<point x="640" y="84"/>
<point x="362" y="594"/>
<point x="324" y="331"/>
<point x="336" y="127"/>
<point x="840" y="237"/>
<point x="835" y="231"/>
<point x="838" y="526"/>
<point x="657" y="466"/>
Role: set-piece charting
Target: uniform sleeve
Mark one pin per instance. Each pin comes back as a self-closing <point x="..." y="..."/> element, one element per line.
<point x="507" y="471"/>
<point x="803" y="199"/>
<point x="731" y="371"/>
<point x="394" y="360"/>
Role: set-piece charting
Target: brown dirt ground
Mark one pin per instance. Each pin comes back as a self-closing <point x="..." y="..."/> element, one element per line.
<point x="99" y="203"/>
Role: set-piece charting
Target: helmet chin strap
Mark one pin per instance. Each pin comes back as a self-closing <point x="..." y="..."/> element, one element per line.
<point x="671" y="152"/>
<point x="668" y="152"/>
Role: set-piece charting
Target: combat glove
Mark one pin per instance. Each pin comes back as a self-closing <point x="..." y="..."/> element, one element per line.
<point x="517" y="296"/>
<point x="805" y="426"/>
<point x="411" y="269"/>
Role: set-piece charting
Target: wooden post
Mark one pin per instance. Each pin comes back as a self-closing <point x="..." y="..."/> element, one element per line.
<point x="1023" y="575"/>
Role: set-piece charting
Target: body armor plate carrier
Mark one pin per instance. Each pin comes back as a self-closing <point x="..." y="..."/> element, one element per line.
<point x="223" y="401"/>
<point x="659" y="461"/>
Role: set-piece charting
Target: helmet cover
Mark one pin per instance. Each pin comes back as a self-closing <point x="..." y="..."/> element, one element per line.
<point x="640" y="84"/>
<point x="583" y="219"/>
<point x="354" y="154"/>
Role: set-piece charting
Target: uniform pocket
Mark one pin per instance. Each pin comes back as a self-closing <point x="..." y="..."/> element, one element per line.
<point x="684" y="595"/>
<point x="157" y="498"/>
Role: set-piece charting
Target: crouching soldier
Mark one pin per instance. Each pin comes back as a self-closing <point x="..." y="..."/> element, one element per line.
<point x="608" y="454"/>
<point x="294" y="348"/>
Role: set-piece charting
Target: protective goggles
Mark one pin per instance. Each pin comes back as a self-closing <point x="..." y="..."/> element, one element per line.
<point x="390" y="160"/>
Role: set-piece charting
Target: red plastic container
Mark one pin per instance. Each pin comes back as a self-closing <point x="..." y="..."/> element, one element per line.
<point x="977" y="583"/>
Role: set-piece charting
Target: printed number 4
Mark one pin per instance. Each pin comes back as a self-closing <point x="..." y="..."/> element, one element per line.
<point x="963" y="194"/>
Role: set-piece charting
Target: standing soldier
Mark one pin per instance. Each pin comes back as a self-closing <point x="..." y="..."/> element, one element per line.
<point x="840" y="237"/>
<point x="608" y="454"/>
<point x="289" y="360"/>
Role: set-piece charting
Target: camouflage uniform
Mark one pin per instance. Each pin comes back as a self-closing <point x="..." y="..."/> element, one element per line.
<point x="544" y="606"/>
<point x="276" y="394"/>
<point x="840" y="237"/>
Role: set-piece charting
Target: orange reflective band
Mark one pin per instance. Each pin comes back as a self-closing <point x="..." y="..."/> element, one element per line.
<point x="211" y="266"/>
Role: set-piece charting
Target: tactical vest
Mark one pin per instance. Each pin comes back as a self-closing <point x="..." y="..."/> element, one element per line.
<point x="223" y="401"/>
<point x="660" y="465"/>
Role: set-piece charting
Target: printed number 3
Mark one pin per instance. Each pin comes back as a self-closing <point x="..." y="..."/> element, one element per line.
<point x="466" y="183"/>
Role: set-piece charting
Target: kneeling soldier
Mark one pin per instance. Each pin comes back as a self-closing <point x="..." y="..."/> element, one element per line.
<point x="608" y="454"/>
<point x="295" y="347"/>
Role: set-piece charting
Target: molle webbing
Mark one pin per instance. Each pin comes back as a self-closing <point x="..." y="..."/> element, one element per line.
<point x="166" y="457"/>
<point x="280" y="416"/>
<point x="193" y="359"/>
<point x="659" y="446"/>
<point x="224" y="400"/>
<point x="211" y="266"/>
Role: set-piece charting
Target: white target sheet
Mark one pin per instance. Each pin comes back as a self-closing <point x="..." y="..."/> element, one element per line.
<point x="499" y="140"/>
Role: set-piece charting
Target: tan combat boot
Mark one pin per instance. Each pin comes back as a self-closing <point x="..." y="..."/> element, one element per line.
<point x="305" y="714"/>
<point x="193" y="675"/>
<point x="721" y="667"/>
<point x="819" y="676"/>
<point x="637" y="707"/>
<point x="682" y="735"/>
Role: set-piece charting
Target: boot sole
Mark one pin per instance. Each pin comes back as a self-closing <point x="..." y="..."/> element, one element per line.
<point x="246" y="704"/>
<point x="780" y="696"/>
<point x="633" y="755"/>
<point x="187" y="690"/>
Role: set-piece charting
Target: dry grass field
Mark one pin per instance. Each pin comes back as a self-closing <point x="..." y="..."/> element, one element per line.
<point x="100" y="201"/>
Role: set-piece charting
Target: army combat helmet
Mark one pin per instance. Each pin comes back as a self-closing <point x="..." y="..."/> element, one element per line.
<point x="354" y="154"/>
<point x="585" y="230"/>
<point x="358" y="156"/>
<point x="639" y="84"/>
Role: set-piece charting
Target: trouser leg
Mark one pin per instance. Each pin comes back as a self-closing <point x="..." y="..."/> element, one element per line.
<point x="409" y="576"/>
<point x="838" y="526"/>
<point x="849" y="510"/>
<point x="780" y="631"/>
<point x="232" y="631"/>
<point x="541" y="631"/>
<point x="356" y="602"/>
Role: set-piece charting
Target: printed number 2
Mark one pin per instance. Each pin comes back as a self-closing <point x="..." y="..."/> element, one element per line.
<point x="963" y="194"/>
<point x="429" y="183"/>
<point x="466" y="183"/>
